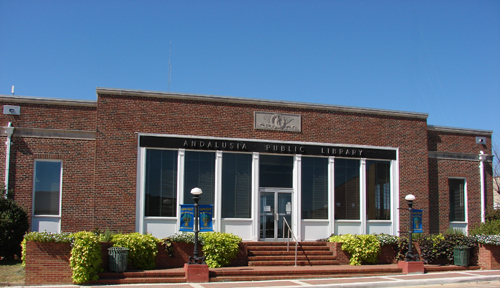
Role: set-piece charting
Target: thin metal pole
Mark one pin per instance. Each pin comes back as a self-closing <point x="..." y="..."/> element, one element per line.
<point x="196" y="215"/>
<point x="409" y="256"/>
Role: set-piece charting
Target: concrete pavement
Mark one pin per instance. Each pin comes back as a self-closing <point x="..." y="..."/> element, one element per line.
<point x="472" y="278"/>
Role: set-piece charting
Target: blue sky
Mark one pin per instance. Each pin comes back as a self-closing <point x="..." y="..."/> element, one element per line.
<point x="437" y="57"/>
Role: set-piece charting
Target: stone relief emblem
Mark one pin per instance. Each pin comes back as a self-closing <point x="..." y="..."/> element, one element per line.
<point x="277" y="121"/>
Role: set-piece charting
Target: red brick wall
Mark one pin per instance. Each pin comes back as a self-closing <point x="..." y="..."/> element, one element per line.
<point x="99" y="180"/>
<point x="77" y="156"/>
<point x="50" y="116"/>
<point x="440" y="170"/>
<point x="47" y="263"/>
<point x="78" y="176"/>
<point x="489" y="257"/>
<point x="457" y="142"/>
<point x="121" y="116"/>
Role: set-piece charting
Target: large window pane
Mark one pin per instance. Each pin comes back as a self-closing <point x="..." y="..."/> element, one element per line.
<point x="161" y="183"/>
<point x="378" y="190"/>
<point x="199" y="171"/>
<point x="47" y="188"/>
<point x="457" y="199"/>
<point x="314" y="188"/>
<point x="347" y="189"/>
<point x="236" y="185"/>
<point x="276" y="171"/>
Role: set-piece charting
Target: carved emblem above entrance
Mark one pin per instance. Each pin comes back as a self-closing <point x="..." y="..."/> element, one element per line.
<point x="277" y="121"/>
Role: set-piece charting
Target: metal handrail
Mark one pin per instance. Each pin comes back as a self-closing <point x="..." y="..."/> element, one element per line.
<point x="288" y="239"/>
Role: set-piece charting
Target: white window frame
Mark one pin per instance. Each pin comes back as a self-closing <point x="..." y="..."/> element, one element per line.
<point x="466" y="210"/>
<point x="40" y="218"/>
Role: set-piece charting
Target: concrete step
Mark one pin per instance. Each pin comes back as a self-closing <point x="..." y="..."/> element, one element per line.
<point x="290" y="257"/>
<point x="284" y="248"/>
<point x="261" y="243"/>
<point x="281" y="253"/>
<point x="141" y="277"/>
<point x="292" y="262"/>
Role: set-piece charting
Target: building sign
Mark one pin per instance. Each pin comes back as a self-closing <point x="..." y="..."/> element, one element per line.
<point x="206" y="215"/>
<point x="265" y="147"/>
<point x="277" y="121"/>
<point x="417" y="221"/>
<point x="187" y="218"/>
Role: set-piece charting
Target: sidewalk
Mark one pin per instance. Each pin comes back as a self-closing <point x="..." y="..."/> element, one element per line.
<point x="435" y="278"/>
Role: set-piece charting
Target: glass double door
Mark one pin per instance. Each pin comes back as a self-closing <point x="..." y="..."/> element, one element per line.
<point x="274" y="206"/>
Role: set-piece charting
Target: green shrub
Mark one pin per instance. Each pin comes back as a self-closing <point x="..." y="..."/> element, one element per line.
<point x="454" y="231"/>
<point x="431" y="247"/>
<point x="363" y="248"/>
<point x="385" y="239"/>
<point x="104" y="236"/>
<point x="488" y="239"/>
<point x="85" y="260"/>
<point x="442" y="246"/>
<point x="220" y="248"/>
<point x="142" y="248"/>
<point x="491" y="227"/>
<point x="13" y="225"/>
<point x="492" y="215"/>
<point x="186" y="238"/>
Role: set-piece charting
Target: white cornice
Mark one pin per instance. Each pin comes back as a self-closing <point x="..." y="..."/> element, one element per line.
<point x="250" y="101"/>
<point x="52" y="133"/>
<point x="49" y="101"/>
<point x="459" y="130"/>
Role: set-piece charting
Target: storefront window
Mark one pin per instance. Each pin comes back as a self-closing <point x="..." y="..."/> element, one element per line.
<point x="161" y="183"/>
<point x="378" y="190"/>
<point x="314" y="188"/>
<point x="47" y="187"/>
<point x="236" y="185"/>
<point x="457" y="199"/>
<point x="276" y="171"/>
<point x="199" y="171"/>
<point x="347" y="189"/>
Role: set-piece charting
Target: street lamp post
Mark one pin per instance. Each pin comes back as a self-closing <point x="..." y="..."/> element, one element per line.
<point x="409" y="256"/>
<point x="196" y="197"/>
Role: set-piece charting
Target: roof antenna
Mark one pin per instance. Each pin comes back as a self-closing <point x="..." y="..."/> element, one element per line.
<point x="12" y="90"/>
<point x="169" y="66"/>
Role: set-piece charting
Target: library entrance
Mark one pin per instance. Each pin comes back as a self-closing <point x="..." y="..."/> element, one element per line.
<point x="275" y="206"/>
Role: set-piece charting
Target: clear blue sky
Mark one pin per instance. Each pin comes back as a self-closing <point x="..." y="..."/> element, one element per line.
<point x="437" y="57"/>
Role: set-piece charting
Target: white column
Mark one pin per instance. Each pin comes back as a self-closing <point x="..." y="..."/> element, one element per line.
<point x="482" y="158"/>
<point x="181" y="156"/>
<point x="297" y="198"/>
<point x="8" y="131"/>
<point x="362" y="197"/>
<point x="395" y="195"/>
<point x="218" y="191"/>
<point x="331" y="194"/>
<point x="255" y="197"/>
<point x="140" y="189"/>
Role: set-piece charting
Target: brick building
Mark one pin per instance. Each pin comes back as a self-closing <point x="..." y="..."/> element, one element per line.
<point x="128" y="160"/>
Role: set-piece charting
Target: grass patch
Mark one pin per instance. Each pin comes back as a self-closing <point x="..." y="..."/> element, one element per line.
<point x="11" y="272"/>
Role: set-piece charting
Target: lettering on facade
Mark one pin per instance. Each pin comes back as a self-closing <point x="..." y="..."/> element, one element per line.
<point x="341" y="151"/>
<point x="214" y="145"/>
<point x="277" y="121"/>
<point x="293" y="149"/>
<point x="266" y="147"/>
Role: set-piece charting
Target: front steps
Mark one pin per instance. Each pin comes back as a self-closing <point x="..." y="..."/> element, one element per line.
<point x="263" y="273"/>
<point x="276" y="254"/>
